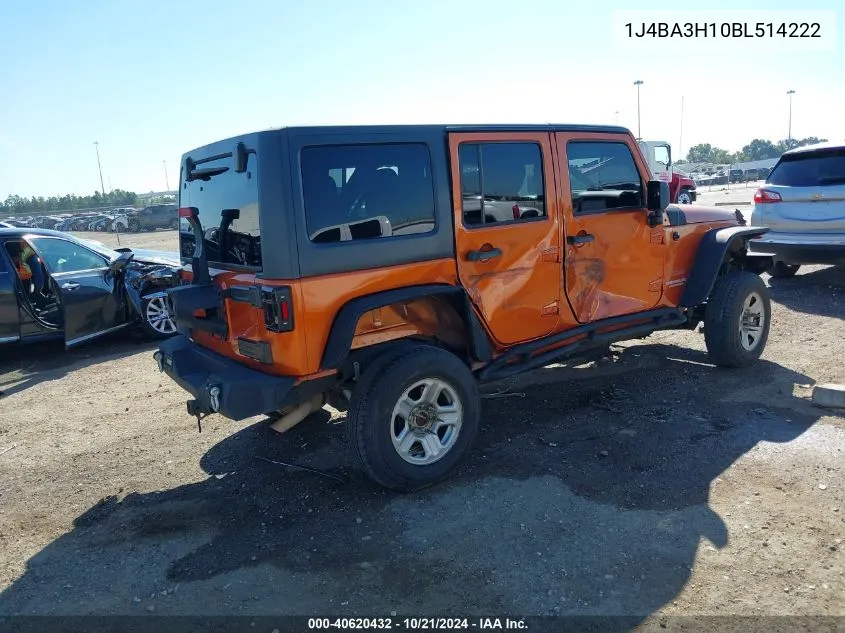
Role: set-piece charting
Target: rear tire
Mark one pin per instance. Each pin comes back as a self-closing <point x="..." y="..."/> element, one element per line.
<point x="782" y="270"/>
<point x="413" y="416"/>
<point x="737" y="319"/>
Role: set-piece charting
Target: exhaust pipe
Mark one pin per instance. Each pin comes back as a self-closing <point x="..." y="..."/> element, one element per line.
<point x="299" y="413"/>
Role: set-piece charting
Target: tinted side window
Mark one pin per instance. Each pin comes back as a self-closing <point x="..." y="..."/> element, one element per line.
<point x="62" y="256"/>
<point x="810" y="169"/>
<point x="501" y="182"/>
<point x="358" y="192"/>
<point x="603" y="176"/>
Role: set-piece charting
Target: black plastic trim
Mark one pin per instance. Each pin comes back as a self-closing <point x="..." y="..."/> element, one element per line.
<point x="712" y="251"/>
<point x="676" y="215"/>
<point x="502" y="367"/>
<point x="257" y="350"/>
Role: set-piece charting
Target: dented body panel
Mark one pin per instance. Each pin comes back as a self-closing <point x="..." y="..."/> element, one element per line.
<point x="508" y="269"/>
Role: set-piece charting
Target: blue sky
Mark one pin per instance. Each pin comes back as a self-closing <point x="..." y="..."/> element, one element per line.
<point x="152" y="79"/>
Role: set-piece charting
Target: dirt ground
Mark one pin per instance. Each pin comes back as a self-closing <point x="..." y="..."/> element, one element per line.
<point x="651" y="483"/>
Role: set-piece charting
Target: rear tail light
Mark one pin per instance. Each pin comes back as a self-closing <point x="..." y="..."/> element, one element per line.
<point x="278" y="309"/>
<point x="515" y="210"/>
<point x="766" y="196"/>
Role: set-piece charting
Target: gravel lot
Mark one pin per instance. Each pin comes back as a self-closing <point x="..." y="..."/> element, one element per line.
<point x="649" y="483"/>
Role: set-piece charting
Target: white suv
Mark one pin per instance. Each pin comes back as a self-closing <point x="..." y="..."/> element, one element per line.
<point x="803" y="205"/>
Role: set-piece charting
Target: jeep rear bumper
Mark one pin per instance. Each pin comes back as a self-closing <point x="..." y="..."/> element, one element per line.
<point x="220" y="384"/>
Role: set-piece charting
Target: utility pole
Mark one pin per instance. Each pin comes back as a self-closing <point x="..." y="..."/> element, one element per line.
<point x="97" y="149"/>
<point x="617" y="117"/>
<point x="638" y="83"/>
<point x="166" y="178"/>
<point x="789" y="138"/>
<point x="681" y="135"/>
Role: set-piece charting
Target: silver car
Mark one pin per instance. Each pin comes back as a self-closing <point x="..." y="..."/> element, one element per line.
<point x="803" y="205"/>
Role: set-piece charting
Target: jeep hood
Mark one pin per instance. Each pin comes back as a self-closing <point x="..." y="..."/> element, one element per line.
<point x="698" y="214"/>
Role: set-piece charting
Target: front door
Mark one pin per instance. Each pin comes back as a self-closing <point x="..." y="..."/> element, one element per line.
<point x="507" y="230"/>
<point x="9" y="315"/>
<point x="614" y="260"/>
<point x="89" y="294"/>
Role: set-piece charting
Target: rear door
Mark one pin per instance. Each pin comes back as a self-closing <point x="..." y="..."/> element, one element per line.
<point x="614" y="259"/>
<point x="9" y="314"/>
<point x="811" y="185"/>
<point x="507" y="230"/>
<point x="92" y="301"/>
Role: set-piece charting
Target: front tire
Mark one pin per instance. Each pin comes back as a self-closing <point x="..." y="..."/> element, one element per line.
<point x="737" y="319"/>
<point x="782" y="270"/>
<point x="134" y="226"/>
<point x="684" y="197"/>
<point x="156" y="319"/>
<point x="413" y="416"/>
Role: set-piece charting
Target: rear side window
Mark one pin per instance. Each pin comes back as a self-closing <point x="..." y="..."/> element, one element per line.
<point x="228" y="210"/>
<point x="501" y="182"/>
<point x="361" y="192"/>
<point x="810" y="169"/>
<point x="603" y="177"/>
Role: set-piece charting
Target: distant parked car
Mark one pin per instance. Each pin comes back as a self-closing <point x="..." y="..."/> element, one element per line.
<point x="736" y="175"/>
<point x="803" y="205"/>
<point x="157" y="216"/>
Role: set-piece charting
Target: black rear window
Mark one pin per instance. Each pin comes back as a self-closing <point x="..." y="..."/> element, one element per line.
<point x="217" y="187"/>
<point x="810" y="169"/>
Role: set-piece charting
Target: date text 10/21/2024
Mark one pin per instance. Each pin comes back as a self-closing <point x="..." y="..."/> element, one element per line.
<point x="415" y="624"/>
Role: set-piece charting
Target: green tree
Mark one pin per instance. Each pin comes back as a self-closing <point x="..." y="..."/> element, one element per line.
<point x="700" y="153"/>
<point x="760" y="149"/>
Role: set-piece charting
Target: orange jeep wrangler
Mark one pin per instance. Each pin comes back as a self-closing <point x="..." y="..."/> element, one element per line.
<point x="389" y="270"/>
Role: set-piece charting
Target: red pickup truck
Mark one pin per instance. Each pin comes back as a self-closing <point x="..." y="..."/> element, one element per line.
<point x="658" y="155"/>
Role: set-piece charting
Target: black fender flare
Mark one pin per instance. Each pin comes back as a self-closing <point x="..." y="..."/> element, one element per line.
<point x="342" y="332"/>
<point x="711" y="255"/>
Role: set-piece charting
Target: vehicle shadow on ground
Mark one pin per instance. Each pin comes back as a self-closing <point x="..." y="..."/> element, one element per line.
<point x="25" y="366"/>
<point x="819" y="292"/>
<point x="585" y="496"/>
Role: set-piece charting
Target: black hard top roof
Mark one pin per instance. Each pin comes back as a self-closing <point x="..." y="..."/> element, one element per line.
<point x="348" y="130"/>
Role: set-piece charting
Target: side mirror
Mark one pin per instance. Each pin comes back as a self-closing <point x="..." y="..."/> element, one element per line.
<point x="657" y="192"/>
<point x="121" y="262"/>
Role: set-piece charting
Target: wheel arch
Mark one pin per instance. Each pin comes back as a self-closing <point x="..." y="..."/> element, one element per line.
<point x="342" y="333"/>
<point x="716" y="251"/>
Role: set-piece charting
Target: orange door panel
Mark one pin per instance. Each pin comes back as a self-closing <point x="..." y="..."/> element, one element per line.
<point x="613" y="260"/>
<point x="507" y="231"/>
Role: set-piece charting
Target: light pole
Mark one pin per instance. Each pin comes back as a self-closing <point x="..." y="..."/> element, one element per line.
<point x="166" y="178"/>
<point x="97" y="149"/>
<point x="681" y="135"/>
<point x="790" y="93"/>
<point x="638" y="83"/>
